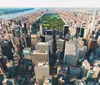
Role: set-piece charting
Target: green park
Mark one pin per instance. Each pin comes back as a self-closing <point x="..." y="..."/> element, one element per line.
<point x="49" y="21"/>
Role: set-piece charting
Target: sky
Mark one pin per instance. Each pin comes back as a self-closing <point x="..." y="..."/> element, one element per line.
<point x="50" y="3"/>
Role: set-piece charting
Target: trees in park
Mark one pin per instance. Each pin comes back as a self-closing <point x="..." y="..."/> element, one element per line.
<point x="50" y="21"/>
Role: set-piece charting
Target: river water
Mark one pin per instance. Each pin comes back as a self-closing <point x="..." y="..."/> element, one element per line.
<point x="15" y="15"/>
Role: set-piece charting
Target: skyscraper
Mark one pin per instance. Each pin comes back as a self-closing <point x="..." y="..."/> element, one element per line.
<point x="42" y="56"/>
<point x="7" y="49"/>
<point x="41" y="70"/>
<point x="25" y="28"/>
<point x="16" y="32"/>
<point x="70" y="56"/>
<point x="66" y="29"/>
<point x="42" y="32"/>
<point x="93" y="23"/>
<point x="54" y="48"/>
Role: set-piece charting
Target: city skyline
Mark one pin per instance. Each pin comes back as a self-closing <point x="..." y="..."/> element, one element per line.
<point x="50" y="3"/>
<point x="49" y="46"/>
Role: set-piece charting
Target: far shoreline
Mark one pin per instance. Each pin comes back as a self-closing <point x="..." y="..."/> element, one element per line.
<point x="18" y="11"/>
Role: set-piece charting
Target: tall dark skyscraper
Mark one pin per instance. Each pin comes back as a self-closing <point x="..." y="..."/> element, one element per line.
<point x="77" y="31"/>
<point x="42" y="38"/>
<point x="97" y="35"/>
<point x="7" y="49"/>
<point x="54" y="48"/>
<point x="66" y="30"/>
<point x="33" y="29"/>
<point x="28" y="40"/>
<point x="19" y="23"/>
<point x="25" y="27"/>
<point x="81" y="32"/>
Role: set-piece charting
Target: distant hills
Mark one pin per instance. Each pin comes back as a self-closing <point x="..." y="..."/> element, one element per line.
<point x="13" y="10"/>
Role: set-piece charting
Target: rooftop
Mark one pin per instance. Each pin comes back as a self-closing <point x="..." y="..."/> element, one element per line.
<point x="80" y="82"/>
<point x="41" y="52"/>
<point x="42" y="43"/>
<point x="42" y="64"/>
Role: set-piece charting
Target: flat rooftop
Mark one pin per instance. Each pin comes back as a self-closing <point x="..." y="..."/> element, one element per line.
<point x="80" y="82"/>
<point x="42" y="64"/>
<point x="42" y="43"/>
<point x="70" y="48"/>
<point x="39" y="52"/>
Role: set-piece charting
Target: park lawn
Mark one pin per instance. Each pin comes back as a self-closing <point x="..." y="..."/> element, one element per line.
<point x="50" y="21"/>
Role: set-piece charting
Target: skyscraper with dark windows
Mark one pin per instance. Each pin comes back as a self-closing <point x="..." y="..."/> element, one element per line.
<point x="25" y="27"/>
<point x="7" y="47"/>
<point x="54" y="48"/>
<point x="66" y="29"/>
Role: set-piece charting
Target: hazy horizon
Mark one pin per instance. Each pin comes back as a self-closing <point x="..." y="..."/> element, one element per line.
<point x="49" y="3"/>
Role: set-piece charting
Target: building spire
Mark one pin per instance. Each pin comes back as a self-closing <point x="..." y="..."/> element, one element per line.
<point x="93" y="23"/>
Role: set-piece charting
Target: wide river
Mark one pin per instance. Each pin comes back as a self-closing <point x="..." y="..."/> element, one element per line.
<point x="15" y="15"/>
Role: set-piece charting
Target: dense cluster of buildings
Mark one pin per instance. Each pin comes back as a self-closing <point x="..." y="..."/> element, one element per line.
<point x="49" y="57"/>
